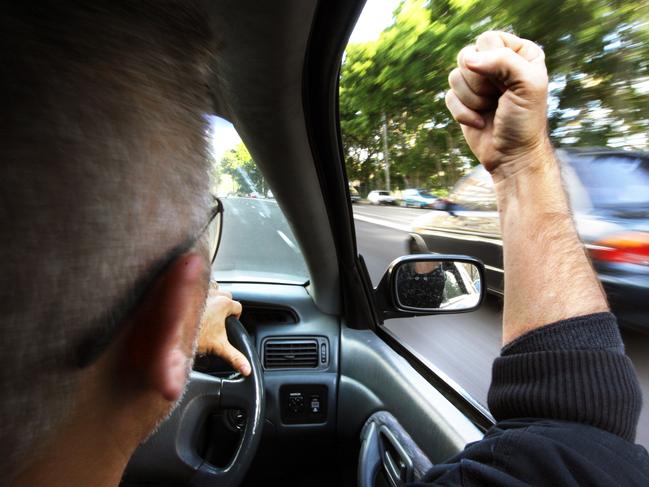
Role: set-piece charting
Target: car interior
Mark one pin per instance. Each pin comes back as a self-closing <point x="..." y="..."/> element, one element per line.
<point x="333" y="398"/>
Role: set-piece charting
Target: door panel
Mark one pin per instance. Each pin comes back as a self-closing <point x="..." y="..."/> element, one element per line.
<point x="374" y="377"/>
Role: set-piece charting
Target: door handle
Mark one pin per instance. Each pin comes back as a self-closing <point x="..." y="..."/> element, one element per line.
<point x="370" y="456"/>
<point x="396" y="461"/>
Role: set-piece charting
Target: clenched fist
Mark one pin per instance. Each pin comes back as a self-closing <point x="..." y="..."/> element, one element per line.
<point x="499" y="94"/>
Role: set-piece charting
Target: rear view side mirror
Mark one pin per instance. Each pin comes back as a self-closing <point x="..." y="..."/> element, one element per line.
<point x="431" y="284"/>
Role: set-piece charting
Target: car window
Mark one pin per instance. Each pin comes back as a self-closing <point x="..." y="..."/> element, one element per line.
<point x="614" y="180"/>
<point x="398" y="135"/>
<point x="257" y="244"/>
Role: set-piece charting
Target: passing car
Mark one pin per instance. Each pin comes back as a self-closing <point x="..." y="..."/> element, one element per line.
<point x="418" y="198"/>
<point x="381" y="197"/>
<point x="609" y="195"/>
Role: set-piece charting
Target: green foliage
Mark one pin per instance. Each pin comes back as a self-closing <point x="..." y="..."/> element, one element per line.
<point x="597" y="54"/>
<point x="238" y="164"/>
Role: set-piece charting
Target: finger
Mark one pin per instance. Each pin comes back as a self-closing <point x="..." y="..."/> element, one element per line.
<point x="489" y="40"/>
<point x="226" y="294"/>
<point x="523" y="47"/>
<point x="461" y="113"/>
<point x="480" y="85"/>
<point x="235" y="358"/>
<point x="504" y="65"/>
<point x="466" y="95"/>
<point x="235" y="308"/>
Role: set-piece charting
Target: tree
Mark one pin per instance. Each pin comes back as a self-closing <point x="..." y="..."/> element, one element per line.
<point x="238" y="164"/>
<point x="597" y="52"/>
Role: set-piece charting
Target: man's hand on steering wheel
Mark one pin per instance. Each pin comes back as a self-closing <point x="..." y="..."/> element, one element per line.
<point x="212" y="337"/>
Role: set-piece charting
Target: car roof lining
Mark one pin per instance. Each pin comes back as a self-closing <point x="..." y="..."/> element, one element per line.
<point x="257" y="85"/>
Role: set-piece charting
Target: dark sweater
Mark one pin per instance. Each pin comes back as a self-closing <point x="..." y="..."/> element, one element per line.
<point x="567" y="402"/>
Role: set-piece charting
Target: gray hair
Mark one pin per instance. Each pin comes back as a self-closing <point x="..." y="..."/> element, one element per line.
<point x="104" y="176"/>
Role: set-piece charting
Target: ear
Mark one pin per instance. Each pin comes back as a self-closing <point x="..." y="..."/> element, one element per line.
<point x="159" y="346"/>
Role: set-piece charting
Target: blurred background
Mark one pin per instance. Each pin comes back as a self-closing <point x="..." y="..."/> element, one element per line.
<point x="597" y="53"/>
<point x="416" y="187"/>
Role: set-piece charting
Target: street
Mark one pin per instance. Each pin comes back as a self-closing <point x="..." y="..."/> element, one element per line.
<point x="461" y="346"/>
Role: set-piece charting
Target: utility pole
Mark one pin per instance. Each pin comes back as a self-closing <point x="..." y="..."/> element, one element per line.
<point x="386" y="157"/>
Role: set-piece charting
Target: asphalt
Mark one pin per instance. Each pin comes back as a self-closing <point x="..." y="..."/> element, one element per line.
<point x="259" y="224"/>
<point x="462" y="346"/>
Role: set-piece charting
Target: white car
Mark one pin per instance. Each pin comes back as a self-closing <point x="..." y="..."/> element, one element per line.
<point x="381" y="197"/>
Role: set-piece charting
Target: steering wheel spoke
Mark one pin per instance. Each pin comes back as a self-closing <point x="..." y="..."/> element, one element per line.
<point x="236" y="394"/>
<point x="175" y="446"/>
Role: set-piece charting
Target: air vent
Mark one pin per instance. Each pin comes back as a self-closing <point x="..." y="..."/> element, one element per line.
<point x="292" y="353"/>
<point x="255" y="315"/>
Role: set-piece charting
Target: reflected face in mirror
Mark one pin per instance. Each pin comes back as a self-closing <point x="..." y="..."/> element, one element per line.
<point x="438" y="285"/>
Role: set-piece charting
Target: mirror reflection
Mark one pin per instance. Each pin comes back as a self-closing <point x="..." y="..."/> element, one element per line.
<point x="438" y="285"/>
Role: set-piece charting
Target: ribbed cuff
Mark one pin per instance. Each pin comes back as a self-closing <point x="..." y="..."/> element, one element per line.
<point x="572" y="370"/>
<point x="597" y="331"/>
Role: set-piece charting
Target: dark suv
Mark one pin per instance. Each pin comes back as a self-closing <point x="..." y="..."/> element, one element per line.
<point x="609" y="194"/>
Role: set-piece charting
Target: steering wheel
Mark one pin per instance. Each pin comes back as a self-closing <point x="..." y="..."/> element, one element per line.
<point x="171" y="453"/>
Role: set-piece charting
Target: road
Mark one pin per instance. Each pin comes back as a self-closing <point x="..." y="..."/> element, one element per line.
<point x="258" y="222"/>
<point x="462" y="346"/>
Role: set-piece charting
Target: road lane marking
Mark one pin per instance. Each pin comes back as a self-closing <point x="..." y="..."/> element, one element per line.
<point x="288" y="241"/>
<point x="495" y="269"/>
<point x="383" y="223"/>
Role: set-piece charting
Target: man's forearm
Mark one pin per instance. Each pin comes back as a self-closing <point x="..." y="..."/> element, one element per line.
<point x="548" y="276"/>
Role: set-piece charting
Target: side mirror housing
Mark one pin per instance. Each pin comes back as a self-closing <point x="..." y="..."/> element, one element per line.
<point x="430" y="284"/>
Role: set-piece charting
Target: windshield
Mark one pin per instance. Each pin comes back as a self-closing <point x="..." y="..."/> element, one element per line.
<point x="426" y="194"/>
<point x="614" y="181"/>
<point x="257" y="244"/>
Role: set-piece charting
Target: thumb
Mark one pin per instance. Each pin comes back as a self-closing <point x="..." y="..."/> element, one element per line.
<point x="502" y="64"/>
<point x="235" y="358"/>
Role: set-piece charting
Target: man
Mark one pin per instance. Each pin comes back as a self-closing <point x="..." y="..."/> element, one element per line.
<point x="421" y="285"/>
<point x="103" y="136"/>
<point x="104" y="198"/>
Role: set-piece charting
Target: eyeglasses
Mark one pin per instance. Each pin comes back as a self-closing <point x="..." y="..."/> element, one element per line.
<point x="212" y="228"/>
<point x="92" y="346"/>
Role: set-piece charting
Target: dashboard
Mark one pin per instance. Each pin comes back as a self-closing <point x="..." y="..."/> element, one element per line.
<point x="298" y="347"/>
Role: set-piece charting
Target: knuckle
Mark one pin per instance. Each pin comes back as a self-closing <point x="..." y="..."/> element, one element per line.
<point x="489" y="38"/>
<point x="463" y="118"/>
<point x="454" y="78"/>
<point x="458" y="58"/>
<point x="460" y="55"/>
<point x="448" y="99"/>
<point x="486" y="35"/>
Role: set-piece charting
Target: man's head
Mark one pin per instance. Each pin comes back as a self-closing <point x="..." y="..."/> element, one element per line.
<point x="103" y="193"/>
